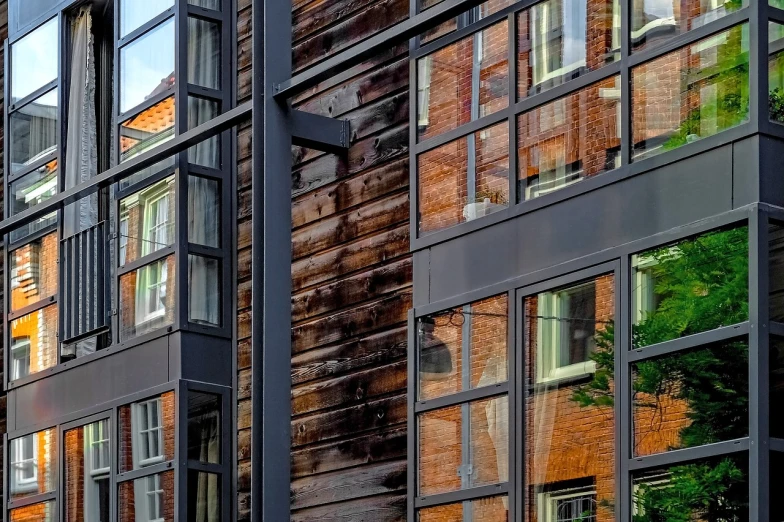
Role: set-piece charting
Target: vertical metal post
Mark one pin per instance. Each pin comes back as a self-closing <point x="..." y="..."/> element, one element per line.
<point x="271" y="347"/>
<point x="466" y="470"/>
<point x="759" y="452"/>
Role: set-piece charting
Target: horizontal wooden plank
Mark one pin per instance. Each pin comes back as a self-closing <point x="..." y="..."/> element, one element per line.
<point x="348" y="390"/>
<point x="365" y="154"/>
<point x="321" y="427"/>
<point x="316" y="16"/>
<point x="373" y="447"/>
<point x="351" y="225"/>
<point x="374" y="350"/>
<point x="384" y="508"/>
<point x="349" y="31"/>
<point x="243" y="476"/>
<point x="347" y="193"/>
<point x="243" y="444"/>
<point x="364" y="481"/>
<point x="350" y="258"/>
<point x="244" y="383"/>
<point x="358" y="320"/>
<point x="244" y="263"/>
<point x="364" y="286"/>
<point x="244" y="411"/>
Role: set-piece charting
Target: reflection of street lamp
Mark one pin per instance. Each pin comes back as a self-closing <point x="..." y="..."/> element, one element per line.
<point x="434" y="355"/>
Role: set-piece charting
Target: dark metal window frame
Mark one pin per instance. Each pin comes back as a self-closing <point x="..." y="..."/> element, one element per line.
<point x="179" y="465"/>
<point x="758" y="121"/>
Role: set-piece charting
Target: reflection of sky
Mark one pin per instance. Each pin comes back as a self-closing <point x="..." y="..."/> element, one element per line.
<point x="134" y="13"/>
<point x="34" y="60"/>
<point x="145" y="63"/>
<point x="574" y="20"/>
<point x="658" y="9"/>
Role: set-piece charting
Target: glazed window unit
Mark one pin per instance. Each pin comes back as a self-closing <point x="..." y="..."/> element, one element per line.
<point x="72" y="467"/>
<point x="542" y="97"/>
<point x="624" y="388"/>
<point x="116" y="267"/>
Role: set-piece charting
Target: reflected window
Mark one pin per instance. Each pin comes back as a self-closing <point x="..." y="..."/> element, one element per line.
<point x="464" y="180"/>
<point x="33" y="131"/>
<point x="34" y="271"/>
<point x="703" y="90"/>
<point x="134" y="14"/>
<point x="148" y="432"/>
<point x="34" y="336"/>
<point x="41" y="512"/>
<point x="567" y="504"/>
<point x="32" y="460"/>
<point x="147" y="499"/>
<point x="87" y="472"/>
<point x="148" y="217"/>
<point x="147" y="298"/>
<point x="34" y="60"/>
<point x="147" y="66"/>
<point x="695" y="285"/>
<point x="20" y="357"/>
<point x="491" y="509"/>
<point x="146" y="130"/>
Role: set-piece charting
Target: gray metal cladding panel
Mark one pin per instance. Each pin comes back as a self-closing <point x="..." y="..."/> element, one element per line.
<point x="107" y="378"/>
<point x="204" y="358"/>
<point x="637" y="207"/>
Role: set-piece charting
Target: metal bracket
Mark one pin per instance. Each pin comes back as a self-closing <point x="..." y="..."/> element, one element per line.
<point x="314" y="131"/>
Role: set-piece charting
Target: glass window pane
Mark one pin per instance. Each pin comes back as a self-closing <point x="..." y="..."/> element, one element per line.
<point x="147" y="66"/>
<point x="776" y="271"/>
<point x="87" y="472"/>
<point x="41" y="512"/>
<point x="204" y="211"/>
<point x="207" y="152"/>
<point x="569" y="139"/>
<point x="147" y="498"/>
<point x="204" y="297"/>
<point x="776" y="71"/>
<point x="34" y="342"/>
<point x="689" y="94"/>
<point x="149" y="217"/>
<point x="34" y="188"/>
<point x="134" y="14"/>
<point x="657" y="21"/>
<point x="34" y="60"/>
<point x="463" y="180"/>
<point x="689" y="287"/>
<point x="569" y="408"/>
<point x="469" y="17"/>
<point x="478" y="331"/>
<point x="147" y="298"/>
<point x="715" y="489"/>
<point x="34" y="271"/>
<point x="559" y="41"/>
<point x="146" y="432"/>
<point x="208" y="4"/>
<point x="463" y="81"/>
<point x="33" y="464"/>
<point x="445" y="464"/>
<point x="204" y="427"/>
<point x="492" y="509"/>
<point x="146" y="130"/>
<point x="204" y="53"/>
<point x="33" y="131"/>
<point x="691" y="398"/>
<point x="204" y="496"/>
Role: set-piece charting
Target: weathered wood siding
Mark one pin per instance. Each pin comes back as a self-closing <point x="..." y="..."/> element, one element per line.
<point x="351" y="275"/>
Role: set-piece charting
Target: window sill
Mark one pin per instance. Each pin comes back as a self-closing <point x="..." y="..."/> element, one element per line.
<point x="557" y="383"/>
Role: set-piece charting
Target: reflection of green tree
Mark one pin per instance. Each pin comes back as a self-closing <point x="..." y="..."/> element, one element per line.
<point x="701" y="284"/>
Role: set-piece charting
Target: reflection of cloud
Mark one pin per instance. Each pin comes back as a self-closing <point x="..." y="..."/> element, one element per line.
<point x="658" y="9"/>
<point x="34" y="60"/>
<point x="145" y="64"/>
<point x="574" y="31"/>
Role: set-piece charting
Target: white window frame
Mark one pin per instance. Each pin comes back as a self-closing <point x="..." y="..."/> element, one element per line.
<point x="540" y="43"/>
<point x="548" y="501"/>
<point x="550" y="337"/>
<point x="21" y="484"/>
<point x="150" y="225"/>
<point x="655" y="482"/>
<point x="20" y="345"/>
<point x="424" y="72"/>
<point x="124" y="223"/>
<point x="147" y="285"/>
<point x="153" y="497"/>
<point x="140" y="409"/>
<point x="97" y="437"/>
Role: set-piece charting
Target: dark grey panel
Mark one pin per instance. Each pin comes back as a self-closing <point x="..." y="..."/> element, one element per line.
<point x="641" y="206"/>
<point x="203" y="358"/>
<point x="421" y="277"/>
<point x="746" y="168"/>
<point x="771" y="159"/>
<point x="88" y="385"/>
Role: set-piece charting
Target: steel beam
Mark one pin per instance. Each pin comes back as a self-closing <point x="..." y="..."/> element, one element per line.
<point x="271" y="284"/>
<point x="314" y="131"/>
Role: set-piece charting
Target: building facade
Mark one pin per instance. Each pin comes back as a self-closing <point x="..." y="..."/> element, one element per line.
<point x="392" y="260"/>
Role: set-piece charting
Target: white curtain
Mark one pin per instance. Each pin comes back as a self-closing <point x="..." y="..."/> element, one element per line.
<point x="203" y="70"/>
<point x="207" y="499"/>
<point x="203" y="229"/>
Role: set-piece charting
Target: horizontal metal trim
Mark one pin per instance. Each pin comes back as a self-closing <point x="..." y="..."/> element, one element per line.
<point x="206" y="172"/>
<point x="777" y="329"/>
<point x="725" y="333"/>
<point x="462" y="131"/>
<point x="398" y="33"/>
<point x="43" y="303"/>
<point x="15" y="107"/>
<point x="475" y="394"/>
<point x="145" y="28"/>
<point x="206" y="467"/>
<point x="84" y="421"/>
<point x="178" y="144"/>
<point x="145" y="105"/>
<point x="95" y="332"/>
<point x="220" y="332"/>
<point x="469" y="30"/>
<point x="145" y="471"/>
<point x="690" y="37"/>
<point x="423" y="501"/>
<point x="775" y="14"/>
<point x="587" y="185"/>
<point x="206" y="251"/>
<point x="198" y="91"/>
<point x="777" y="445"/>
<point x="146" y="260"/>
<point x="146" y="182"/>
<point x="689" y="454"/>
<point x="197" y="11"/>
<point x="32" y="168"/>
<point x="38" y="234"/>
<point x="33" y="499"/>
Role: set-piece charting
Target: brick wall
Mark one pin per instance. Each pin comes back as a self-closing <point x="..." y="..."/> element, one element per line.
<point x="74" y="475"/>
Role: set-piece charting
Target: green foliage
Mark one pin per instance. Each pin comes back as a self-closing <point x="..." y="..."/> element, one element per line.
<point x="776" y="104"/>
